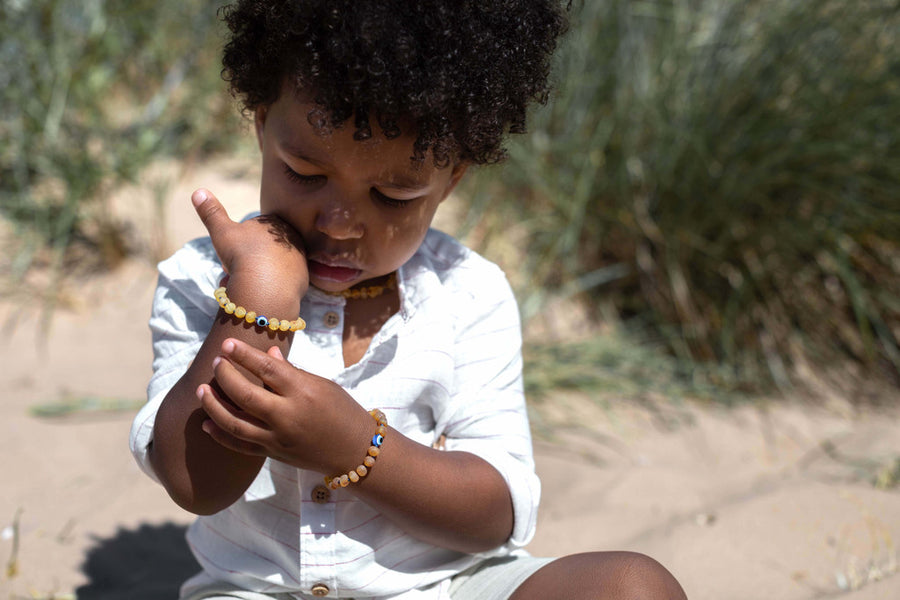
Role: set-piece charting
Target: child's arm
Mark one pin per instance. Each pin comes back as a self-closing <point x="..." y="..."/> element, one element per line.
<point x="451" y="499"/>
<point x="267" y="273"/>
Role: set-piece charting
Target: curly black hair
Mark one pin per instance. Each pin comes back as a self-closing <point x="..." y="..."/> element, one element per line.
<point x="459" y="73"/>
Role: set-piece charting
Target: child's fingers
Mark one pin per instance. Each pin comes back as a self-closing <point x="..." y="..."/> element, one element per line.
<point x="231" y="442"/>
<point x="274" y="371"/>
<point x="228" y="426"/>
<point x="245" y="394"/>
<point x="275" y="352"/>
<point x="211" y="212"/>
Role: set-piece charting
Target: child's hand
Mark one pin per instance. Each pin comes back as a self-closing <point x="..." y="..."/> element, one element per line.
<point x="261" y="249"/>
<point x="299" y="418"/>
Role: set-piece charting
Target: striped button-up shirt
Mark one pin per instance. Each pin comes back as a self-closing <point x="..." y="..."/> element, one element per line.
<point x="447" y="364"/>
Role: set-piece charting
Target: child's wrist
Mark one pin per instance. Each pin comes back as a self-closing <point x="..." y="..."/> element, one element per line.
<point x="250" y="316"/>
<point x="278" y="299"/>
<point x="367" y="460"/>
<point x="276" y="277"/>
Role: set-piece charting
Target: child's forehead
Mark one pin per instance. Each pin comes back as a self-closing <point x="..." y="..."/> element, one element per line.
<point x="303" y="131"/>
<point x="292" y="121"/>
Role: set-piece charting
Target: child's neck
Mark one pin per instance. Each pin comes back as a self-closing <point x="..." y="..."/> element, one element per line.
<point x="363" y="318"/>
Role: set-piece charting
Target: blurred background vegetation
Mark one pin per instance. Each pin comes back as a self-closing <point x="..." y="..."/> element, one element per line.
<point x="717" y="182"/>
<point x="722" y="179"/>
<point x="94" y="91"/>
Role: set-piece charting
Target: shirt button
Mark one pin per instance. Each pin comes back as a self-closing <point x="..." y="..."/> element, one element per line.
<point x="331" y="319"/>
<point x="320" y="589"/>
<point x="321" y="494"/>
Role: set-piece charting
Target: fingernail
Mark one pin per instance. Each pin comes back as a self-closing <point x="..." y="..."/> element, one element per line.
<point x="199" y="392"/>
<point x="228" y="346"/>
<point x="216" y="361"/>
<point x="206" y="425"/>
<point x="199" y="197"/>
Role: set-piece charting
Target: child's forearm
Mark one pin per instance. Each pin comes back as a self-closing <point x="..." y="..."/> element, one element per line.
<point x="454" y="500"/>
<point x="199" y="474"/>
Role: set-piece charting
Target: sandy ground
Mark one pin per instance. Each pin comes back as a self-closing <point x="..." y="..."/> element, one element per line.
<point x="758" y="502"/>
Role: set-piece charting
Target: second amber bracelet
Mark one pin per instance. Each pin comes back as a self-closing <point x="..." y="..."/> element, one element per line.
<point x="240" y="312"/>
<point x="374" y="450"/>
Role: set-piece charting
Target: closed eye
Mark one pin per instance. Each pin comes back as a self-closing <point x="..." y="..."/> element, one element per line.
<point x="303" y="179"/>
<point x="389" y="201"/>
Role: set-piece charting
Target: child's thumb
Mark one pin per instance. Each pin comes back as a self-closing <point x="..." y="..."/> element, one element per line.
<point x="210" y="211"/>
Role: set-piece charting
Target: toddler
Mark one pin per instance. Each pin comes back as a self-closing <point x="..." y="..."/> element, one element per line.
<point x="337" y="388"/>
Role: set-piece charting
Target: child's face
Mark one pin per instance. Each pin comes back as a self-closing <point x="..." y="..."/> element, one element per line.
<point x="362" y="207"/>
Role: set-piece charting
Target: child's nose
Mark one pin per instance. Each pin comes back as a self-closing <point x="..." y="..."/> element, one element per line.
<point x="339" y="220"/>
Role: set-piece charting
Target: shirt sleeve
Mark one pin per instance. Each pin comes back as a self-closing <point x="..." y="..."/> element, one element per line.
<point x="182" y="314"/>
<point x="487" y="414"/>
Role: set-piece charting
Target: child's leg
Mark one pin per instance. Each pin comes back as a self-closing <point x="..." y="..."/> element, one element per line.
<point x="593" y="576"/>
<point x="601" y="576"/>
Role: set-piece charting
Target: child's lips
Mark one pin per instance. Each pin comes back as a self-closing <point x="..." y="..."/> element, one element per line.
<point x="333" y="271"/>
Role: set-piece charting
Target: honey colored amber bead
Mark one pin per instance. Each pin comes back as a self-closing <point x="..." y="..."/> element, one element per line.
<point x="222" y="300"/>
<point x="362" y="470"/>
<point x="240" y="311"/>
<point x="229" y="308"/>
<point x="284" y="325"/>
<point x="250" y="317"/>
<point x="273" y="324"/>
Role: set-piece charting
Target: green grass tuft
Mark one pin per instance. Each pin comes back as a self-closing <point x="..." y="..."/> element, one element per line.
<point x="727" y="174"/>
<point x="91" y="93"/>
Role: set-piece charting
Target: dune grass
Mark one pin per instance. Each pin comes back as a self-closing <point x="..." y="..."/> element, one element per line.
<point x="722" y="177"/>
<point x="91" y="93"/>
<point x="727" y="175"/>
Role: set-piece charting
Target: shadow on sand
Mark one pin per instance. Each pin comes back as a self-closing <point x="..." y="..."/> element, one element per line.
<point x="149" y="563"/>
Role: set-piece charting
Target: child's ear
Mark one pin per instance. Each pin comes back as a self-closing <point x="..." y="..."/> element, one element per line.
<point x="459" y="169"/>
<point x="259" y="120"/>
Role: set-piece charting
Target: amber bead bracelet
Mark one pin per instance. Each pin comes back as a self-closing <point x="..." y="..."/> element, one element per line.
<point x="362" y="470"/>
<point x="262" y="321"/>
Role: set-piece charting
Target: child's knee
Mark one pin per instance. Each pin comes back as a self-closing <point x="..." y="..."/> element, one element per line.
<point x="602" y="576"/>
<point x="641" y="577"/>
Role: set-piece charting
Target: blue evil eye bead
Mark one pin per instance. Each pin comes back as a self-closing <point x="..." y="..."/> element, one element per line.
<point x="261" y="321"/>
<point x="377" y="440"/>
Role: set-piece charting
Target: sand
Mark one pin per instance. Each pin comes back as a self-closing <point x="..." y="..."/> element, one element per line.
<point x="766" y="500"/>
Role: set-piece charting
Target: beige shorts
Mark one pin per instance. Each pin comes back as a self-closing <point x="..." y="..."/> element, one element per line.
<point x="496" y="578"/>
<point x="493" y="579"/>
